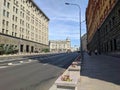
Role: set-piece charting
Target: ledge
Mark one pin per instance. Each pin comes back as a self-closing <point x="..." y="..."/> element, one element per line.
<point x="66" y="85"/>
<point x="74" y="68"/>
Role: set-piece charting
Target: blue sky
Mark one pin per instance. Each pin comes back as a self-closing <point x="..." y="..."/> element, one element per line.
<point x="64" y="19"/>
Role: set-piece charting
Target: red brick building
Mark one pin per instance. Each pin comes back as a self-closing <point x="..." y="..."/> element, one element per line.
<point x="99" y="18"/>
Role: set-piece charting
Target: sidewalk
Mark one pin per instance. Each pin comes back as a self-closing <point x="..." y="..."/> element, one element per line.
<point x="100" y="72"/>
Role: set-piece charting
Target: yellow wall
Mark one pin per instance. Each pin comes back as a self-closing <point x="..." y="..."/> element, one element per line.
<point x="96" y="13"/>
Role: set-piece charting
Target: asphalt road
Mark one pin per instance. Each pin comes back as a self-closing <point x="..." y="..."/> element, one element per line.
<point x="38" y="75"/>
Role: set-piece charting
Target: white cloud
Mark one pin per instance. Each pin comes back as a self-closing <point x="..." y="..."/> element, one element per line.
<point x="64" y="20"/>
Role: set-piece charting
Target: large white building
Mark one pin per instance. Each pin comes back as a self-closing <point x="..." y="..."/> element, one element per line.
<point x="23" y="26"/>
<point x="60" y="45"/>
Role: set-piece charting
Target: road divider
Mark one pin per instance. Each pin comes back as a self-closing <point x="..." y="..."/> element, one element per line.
<point x="70" y="78"/>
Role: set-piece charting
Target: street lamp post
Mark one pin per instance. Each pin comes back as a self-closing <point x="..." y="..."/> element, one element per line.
<point x="80" y="27"/>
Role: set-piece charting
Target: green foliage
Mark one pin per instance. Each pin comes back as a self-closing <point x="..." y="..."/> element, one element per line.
<point x="46" y="50"/>
<point x="8" y="49"/>
<point x="1" y="48"/>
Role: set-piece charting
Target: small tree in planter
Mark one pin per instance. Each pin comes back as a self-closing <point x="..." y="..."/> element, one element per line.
<point x="66" y="78"/>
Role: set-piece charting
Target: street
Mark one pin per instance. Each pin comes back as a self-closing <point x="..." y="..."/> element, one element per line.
<point x="37" y="75"/>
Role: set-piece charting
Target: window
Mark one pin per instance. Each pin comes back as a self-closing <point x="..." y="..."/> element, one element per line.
<point x="22" y="36"/>
<point x="23" y="15"/>
<point x="22" y="29"/>
<point x="4" y="12"/>
<point x="12" y="33"/>
<point x="119" y="13"/>
<point x="20" y="21"/>
<point x="17" y="3"/>
<point x="106" y="28"/>
<point x="13" y="17"/>
<point x="4" y="2"/>
<point x="113" y="20"/>
<point x="15" y="27"/>
<point x="23" y="23"/>
<point x="15" y="34"/>
<point x="13" y="8"/>
<point x="2" y="30"/>
<point x="12" y="26"/>
<point x="16" y="19"/>
<point x="110" y="24"/>
<point x="3" y="22"/>
<point x="111" y="45"/>
<point x="7" y="23"/>
<point x="23" y="8"/>
<point x="14" y="1"/>
<point x="115" y="44"/>
<point x="7" y="14"/>
<point x="20" y="13"/>
<point x="6" y="31"/>
<point x="110" y="2"/>
<point x="16" y="10"/>
<point x="8" y="5"/>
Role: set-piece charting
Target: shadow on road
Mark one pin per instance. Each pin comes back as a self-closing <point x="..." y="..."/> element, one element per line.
<point x="60" y="60"/>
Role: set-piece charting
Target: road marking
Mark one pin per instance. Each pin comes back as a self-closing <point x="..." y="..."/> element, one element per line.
<point x="15" y="64"/>
<point x="3" y="67"/>
<point x="45" y="64"/>
<point x="21" y="61"/>
<point x="29" y="60"/>
<point x="10" y="63"/>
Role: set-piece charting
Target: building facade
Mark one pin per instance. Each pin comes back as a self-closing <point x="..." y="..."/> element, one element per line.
<point x="23" y="26"/>
<point x="84" y="42"/>
<point x="60" y="45"/>
<point x="103" y="25"/>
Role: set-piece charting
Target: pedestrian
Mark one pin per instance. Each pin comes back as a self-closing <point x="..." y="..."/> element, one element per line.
<point x="96" y="52"/>
<point x="89" y="52"/>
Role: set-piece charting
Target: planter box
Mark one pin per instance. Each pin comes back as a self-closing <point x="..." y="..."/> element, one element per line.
<point x="66" y="85"/>
<point x="76" y="63"/>
<point x="74" y="76"/>
<point x="74" y="68"/>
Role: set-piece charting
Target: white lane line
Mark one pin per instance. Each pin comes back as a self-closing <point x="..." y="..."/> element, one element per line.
<point x="21" y="61"/>
<point x="45" y="64"/>
<point x="15" y="64"/>
<point x="10" y="64"/>
<point x="3" y="67"/>
<point x="26" y="62"/>
<point x="29" y="60"/>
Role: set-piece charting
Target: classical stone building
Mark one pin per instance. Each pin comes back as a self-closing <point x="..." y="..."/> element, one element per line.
<point x="84" y="42"/>
<point x="103" y="25"/>
<point x="23" y="27"/>
<point x="60" y="45"/>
